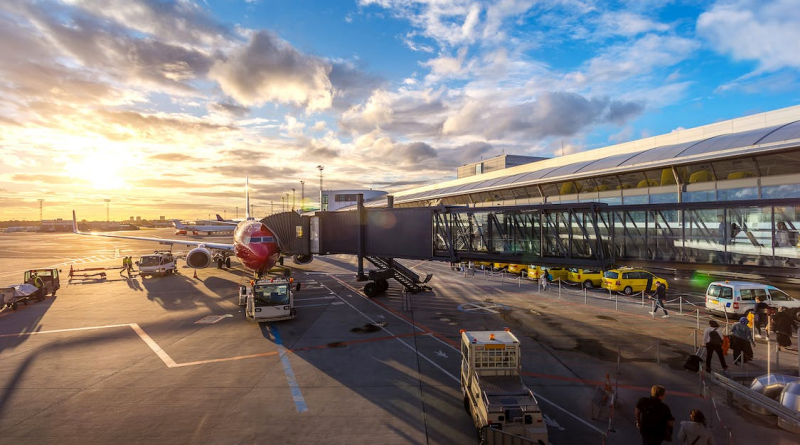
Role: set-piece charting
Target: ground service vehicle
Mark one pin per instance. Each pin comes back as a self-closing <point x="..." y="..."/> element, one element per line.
<point x="587" y="278"/>
<point x="49" y="277"/>
<point x="497" y="267"/>
<point x="629" y="280"/>
<point x="737" y="298"/>
<point x="161" y="262"/>
<point x="494" y="393"/>
<point x="268" y="299"/>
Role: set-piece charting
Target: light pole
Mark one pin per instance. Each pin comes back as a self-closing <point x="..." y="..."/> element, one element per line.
<point x="320" y="167"/>
<point x="302" y="196"/>
<point x="293" y="199"/>
<point x="283" y="204"/>
<point x="287" y="202"/>
<point x="40" y="209"/>
<point x="108" y="219"/>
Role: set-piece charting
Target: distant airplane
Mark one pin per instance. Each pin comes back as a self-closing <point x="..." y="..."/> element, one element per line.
<point x="254" y="245"/>
<point x="184" y="229"/>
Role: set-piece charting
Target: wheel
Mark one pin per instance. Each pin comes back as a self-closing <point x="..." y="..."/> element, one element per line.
<point x="524" y="274"/>
<point x="587" y="284"/>
<point x="628" y="290"/>
<point x="371" y="289"/>
<point x="228" y="262"/>
<point x="14" y="305"/>
<point x="219" y="264"/>
<point x="383" y="285"/>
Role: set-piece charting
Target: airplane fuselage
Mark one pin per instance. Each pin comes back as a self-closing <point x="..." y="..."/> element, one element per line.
<point x="255" y="246"/>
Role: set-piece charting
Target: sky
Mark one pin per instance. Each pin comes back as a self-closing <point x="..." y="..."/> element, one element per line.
<point x="163" y="107"/>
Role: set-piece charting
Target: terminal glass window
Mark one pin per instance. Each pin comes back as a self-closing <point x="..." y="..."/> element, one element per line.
<point x="737" y="194"/>
<point x="735" y="169"/>
<point x="784" y="163"/>
<point x="781" y="191"/>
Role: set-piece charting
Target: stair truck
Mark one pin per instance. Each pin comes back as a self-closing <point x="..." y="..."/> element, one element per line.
<point x="268" y="299"/>
<point x="494" y="394"/>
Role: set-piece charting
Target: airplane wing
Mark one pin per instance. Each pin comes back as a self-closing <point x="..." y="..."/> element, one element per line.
<point x="170" y="242"/>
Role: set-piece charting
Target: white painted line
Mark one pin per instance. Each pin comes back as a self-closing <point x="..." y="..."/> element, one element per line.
<point x="55" y="331"/>
<point x="154" y="346"/>
<point x="314" y="298"/>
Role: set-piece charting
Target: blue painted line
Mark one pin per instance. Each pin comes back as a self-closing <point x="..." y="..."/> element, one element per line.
<point x="294" y="388"/>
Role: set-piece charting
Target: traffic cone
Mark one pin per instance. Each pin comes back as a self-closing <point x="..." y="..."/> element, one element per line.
<point x="70" y="271"/>
<point x="195" y="274"/>
<point x="607" y="387"/>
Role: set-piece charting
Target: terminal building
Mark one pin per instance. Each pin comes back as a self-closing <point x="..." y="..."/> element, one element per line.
<point x="724" y="196"/>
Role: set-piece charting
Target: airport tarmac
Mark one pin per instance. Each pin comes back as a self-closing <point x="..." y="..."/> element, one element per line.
<point x="173" y="359"/>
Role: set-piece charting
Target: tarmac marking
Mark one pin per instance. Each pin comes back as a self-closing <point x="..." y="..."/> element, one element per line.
<point x="294" y="388"/>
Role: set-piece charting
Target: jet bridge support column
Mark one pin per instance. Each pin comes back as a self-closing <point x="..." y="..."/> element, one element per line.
<point x="360" y="243"/>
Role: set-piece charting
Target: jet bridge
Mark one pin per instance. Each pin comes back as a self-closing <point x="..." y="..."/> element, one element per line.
<point x="748" y="236"/>
<point x="549" y="234"/>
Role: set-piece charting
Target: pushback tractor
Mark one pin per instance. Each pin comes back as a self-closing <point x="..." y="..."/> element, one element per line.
<point x="268" y="299"/>
<point x="494" y="394"/>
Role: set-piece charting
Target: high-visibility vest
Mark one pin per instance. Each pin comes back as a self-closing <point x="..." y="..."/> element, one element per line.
<point x="38" y="282"/>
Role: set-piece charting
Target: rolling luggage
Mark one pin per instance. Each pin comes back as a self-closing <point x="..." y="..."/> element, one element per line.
<point x="692" y="363"/>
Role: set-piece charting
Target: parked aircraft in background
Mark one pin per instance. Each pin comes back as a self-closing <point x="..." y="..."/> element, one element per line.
<point x="254" y="245"/>
<point x="184" y="229"/>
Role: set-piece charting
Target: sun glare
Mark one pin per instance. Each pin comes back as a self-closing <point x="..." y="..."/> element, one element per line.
<point x="102" y="170"/>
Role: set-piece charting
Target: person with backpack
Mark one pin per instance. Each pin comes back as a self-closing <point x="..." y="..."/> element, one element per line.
<point x="659" y="297"/>
<point x="653" y="417"/>
<point x="742" y="341"/>
<point x="695" y="431"/>
<point x="713" y="341"/>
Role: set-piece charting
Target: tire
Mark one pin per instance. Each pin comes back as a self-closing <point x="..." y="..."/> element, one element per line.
<point x="219" y="264"/>
<point x="383" y="285"/>
<point x="524" y="274"/>
<point x="228" y="262"/>
<point x="628" y="290"/>
<point x="371" y="289"/>
<point x="587" y="284"/>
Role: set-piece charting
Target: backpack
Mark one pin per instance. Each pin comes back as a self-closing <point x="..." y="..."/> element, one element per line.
<point x="714" y="338"/>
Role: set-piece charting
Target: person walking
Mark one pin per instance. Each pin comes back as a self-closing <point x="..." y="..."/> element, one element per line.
<point x="784" y="324"/>
<point x="761" y="312"/>
<point x="742" y="342"/>
<point x="659" y="298"/>
<point x="713" y="341"/>
<point x="543" y="282"/>
<point x="653" y="417"/>
<point x="695" y="431"/>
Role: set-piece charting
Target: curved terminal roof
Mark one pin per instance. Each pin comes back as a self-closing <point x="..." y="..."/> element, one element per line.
<point x="711" y="142"/>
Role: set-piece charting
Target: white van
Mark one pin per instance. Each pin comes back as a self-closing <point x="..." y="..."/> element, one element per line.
<point x="737" y="298"/>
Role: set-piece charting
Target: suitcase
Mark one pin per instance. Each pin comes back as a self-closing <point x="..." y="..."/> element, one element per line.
<point x="692" y="363"/>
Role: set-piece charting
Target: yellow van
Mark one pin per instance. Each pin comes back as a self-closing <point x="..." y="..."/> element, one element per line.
<point x="630" y="280"/>
<point x="588" y="278"/>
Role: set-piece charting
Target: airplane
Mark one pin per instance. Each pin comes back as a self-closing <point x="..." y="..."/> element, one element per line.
<point x="254" y="245"/>
<point x="183" y="229"/>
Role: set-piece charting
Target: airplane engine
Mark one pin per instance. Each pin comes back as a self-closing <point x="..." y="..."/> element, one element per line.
<point x="198" y="258"/>
<point x="302" y="259"/>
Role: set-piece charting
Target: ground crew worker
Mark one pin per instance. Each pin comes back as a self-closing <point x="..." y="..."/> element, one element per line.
<point x="37" y="281"/>
<point x="124" y="265"/>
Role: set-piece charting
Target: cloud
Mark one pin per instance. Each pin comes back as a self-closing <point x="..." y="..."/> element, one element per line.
<point x="174" y="157"/>
<point x="551" y="114"/>
<point x="234" y="110"/>
<point x="765" y="32"/>
<point x="45" y="178"/>
<point x="268" y="69"/>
